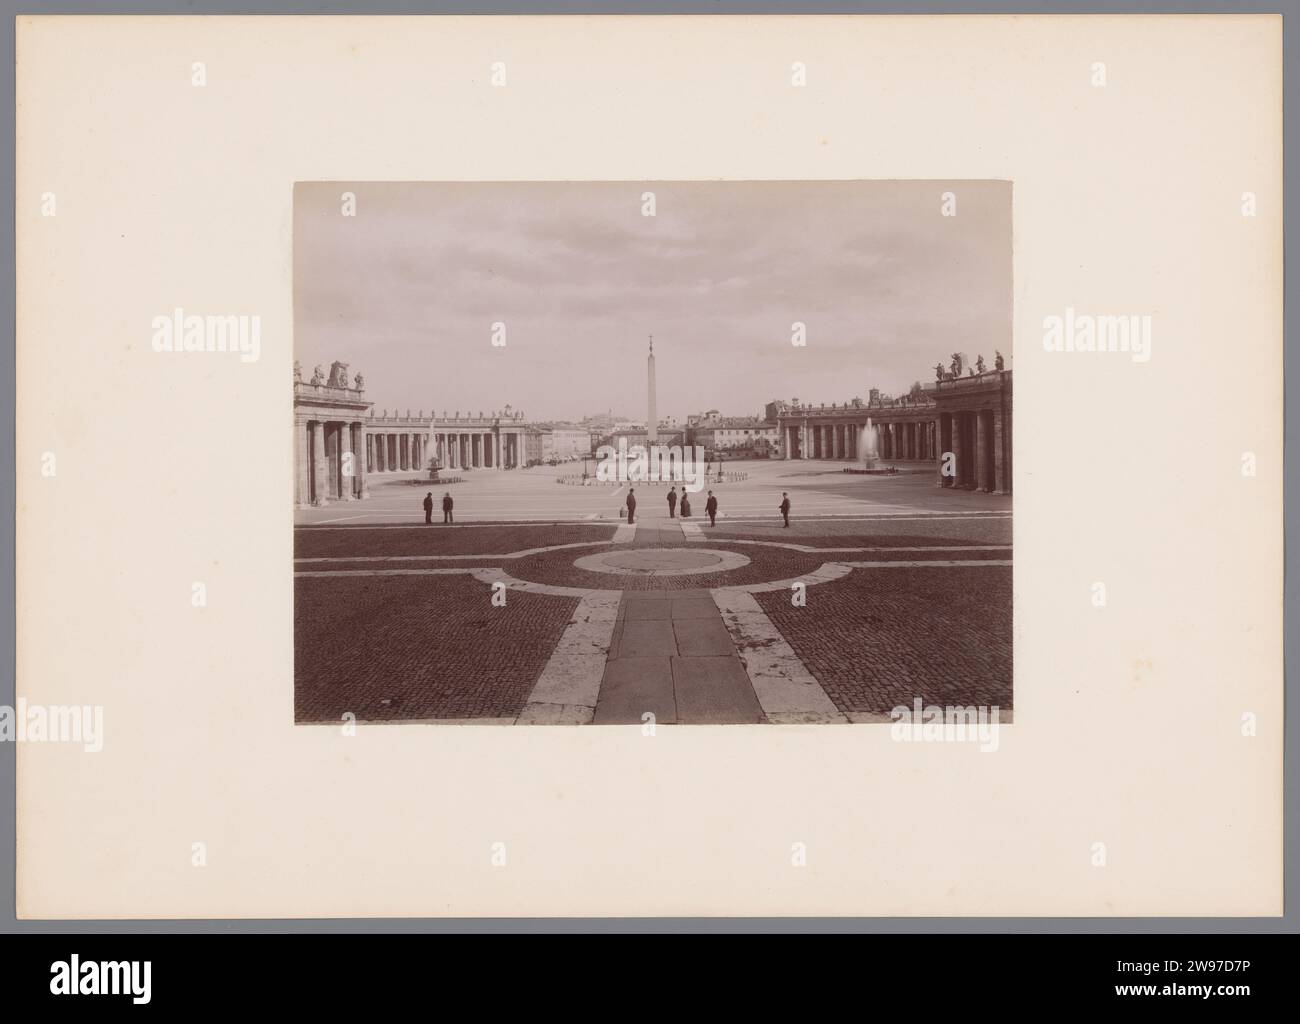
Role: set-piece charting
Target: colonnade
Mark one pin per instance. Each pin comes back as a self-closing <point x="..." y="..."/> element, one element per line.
<point x="406" y="451"/>
<point x="328" y="468"/>
<point x="393" y="452"/>
<point x="980" y="441"/>
<point x="903" y="439"/>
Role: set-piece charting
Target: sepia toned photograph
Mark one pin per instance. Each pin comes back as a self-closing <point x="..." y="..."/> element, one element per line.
<point x="609" y="453"/>
<point x="651" y="384"/>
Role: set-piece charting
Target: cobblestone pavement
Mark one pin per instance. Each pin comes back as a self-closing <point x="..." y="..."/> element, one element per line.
<point x="878" y="638"/>
<point x="418" y="647"/>
<point x="359" y="541"/>
<point x="390" y="624"/>
<point x="885" y="531"/>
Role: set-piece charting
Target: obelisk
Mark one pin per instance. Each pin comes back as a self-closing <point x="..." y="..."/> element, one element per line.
<point x="652" y="414"/>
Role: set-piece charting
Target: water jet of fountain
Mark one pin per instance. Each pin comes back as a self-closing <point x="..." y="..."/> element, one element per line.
<point x="867" y="448"/>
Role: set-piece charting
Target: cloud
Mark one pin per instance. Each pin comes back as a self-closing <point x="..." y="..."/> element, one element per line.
<point x="408" y="289"/>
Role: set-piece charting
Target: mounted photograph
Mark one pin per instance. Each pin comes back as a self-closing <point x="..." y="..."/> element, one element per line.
<point x="656" y="453"/>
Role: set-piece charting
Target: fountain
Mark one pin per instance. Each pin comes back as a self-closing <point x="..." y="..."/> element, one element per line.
<point x="867" y="453"/>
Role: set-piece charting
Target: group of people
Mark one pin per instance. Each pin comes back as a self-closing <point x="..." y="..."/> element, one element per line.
<point x="447" y="506"/>
<point x="710" y="506"/>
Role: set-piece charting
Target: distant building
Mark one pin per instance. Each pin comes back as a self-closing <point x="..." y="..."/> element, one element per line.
<point x="638" y="434"/>
<point x="735" y="433"/>
<point x="561" y="442"/>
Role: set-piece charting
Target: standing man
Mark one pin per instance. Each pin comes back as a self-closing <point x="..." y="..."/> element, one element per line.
<point x="785" y="508"/>
<point x="447" y="504"/>
<point x="672" y="503"/>
<point x="711" y="507"/>
<point x="631" y="506"/>
<point x="428" y="509"/>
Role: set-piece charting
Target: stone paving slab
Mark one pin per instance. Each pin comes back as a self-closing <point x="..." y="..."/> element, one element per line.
<point x="714" y="691"/>
<point x="786" y="689"/>
<point x="703" y="637"/>
<point x="692" y="608"/>
<point x="640" y="610"/>
<point x="640" y="638"/>
<point x="634" y="686"/>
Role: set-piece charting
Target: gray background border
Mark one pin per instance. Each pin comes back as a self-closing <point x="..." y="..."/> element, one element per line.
<point x="1290" y="923"/>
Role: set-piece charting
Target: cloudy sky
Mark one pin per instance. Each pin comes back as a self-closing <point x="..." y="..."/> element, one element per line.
<point x="406" y="291"/>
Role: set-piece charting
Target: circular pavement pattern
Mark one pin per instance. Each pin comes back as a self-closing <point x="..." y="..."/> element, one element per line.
<point x="662" y="561"/>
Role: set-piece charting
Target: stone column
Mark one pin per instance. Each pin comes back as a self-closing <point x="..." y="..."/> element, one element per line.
<point x="347" y="463"/>
<point x="363" y="476"/>
<point x="981" y="452"/>
<point x="318" y="467"/>
<point x="1001" y="474"/>
<point x="945" y="446"/>
<point x="333" y="461"/>
<point x="301" y="463"/>
<point x="959" y="449"/>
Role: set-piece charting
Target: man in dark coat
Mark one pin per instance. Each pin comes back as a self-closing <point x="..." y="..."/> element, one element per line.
<point x="711" y="507"/>
<point x="447" y="504"/>
<point x="631" y="506"/>
<point x="672" y="502"/>
<point x="428" y="509"/>
<point x="785" y="508"/>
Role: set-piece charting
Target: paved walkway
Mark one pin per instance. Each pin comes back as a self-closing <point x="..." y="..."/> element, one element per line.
<point x="672" y="655"/>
